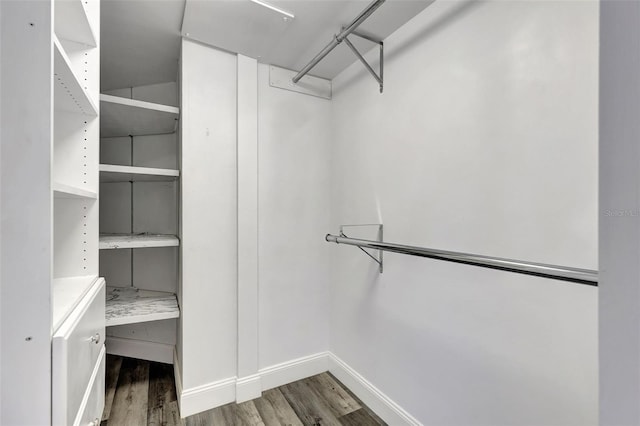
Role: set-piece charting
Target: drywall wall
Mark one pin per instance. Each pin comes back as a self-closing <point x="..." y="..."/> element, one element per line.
<point x="485" y="141"/>
<point x="208" y="323"/>
<point x="619" y="307"/>
<point x="294" y="202"/>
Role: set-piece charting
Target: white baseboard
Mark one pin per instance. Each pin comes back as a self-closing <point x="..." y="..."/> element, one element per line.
<point x="151" y="351"/>
<point x="248" y="388"/>
<point x="215" y="394"/>
<point x="377" y="401"/>
<point x="297" y="369"/>
<point x="202" y="398"/>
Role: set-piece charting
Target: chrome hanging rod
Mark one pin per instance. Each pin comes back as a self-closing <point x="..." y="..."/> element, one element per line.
<point x="576" y="275"/>
<point x="339" y="38"/>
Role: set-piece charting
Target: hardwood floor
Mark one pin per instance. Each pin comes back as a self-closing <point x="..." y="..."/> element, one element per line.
<point x="143" y="393"/>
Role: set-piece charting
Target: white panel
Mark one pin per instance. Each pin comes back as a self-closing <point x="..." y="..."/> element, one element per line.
<point x="74" y="20"/>
<point x="156" y="268"/>
<point x="130" y="305"/>
<point x="294" y="183"/>
<point x="485" y="141"/>
<point x="116" y="151"/>
<point x="114" y="173"/>
<point x="75" y="234"/>
<point x="115" y="208"/>
<point x="71" y="93"/>
<point x="128" y="117"/>
<point x="115" y="267"/>
<point x="85" y="62"/>
<point x="67" y="293"/>
<point x="125" y="241"/>
<point x="208" y="215"/>
<point x="162" y="93"/>
<point x="247" y="218"/>
<point x="155" y="207"/>
<point x="163" y="331"/>
<point x="156" y="151"/>
<point x="93" y="403"/>
<point x="75" y="155"/>
<point x="76" y="347"/>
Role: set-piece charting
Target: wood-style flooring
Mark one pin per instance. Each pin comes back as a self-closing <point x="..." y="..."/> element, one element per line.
<point x="142" y="393"/>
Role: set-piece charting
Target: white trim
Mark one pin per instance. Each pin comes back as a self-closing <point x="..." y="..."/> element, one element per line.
<point x="178" y="378"/>
<point x="297" y="369"/>
<point x="140" y="349"/>
<point x="202" y="398"/>
<point x="215" y="394"/>
<point x="248" y="388"/>
<point x="377" y="401"/>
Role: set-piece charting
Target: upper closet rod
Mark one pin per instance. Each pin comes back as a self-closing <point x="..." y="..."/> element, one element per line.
<point x="338" y="38"/>
<point x="564" y="273"/>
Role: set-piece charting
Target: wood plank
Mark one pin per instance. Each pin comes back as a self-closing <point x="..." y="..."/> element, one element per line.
<point x="359" y="418"/>
<point x="247" y="415"/>
<point x="275" y="410"/>
<point x="162" y="393"/>
<point x="114" y="363"/>
<point x="336" y="399"/>
<point x="224" y="415"/>
<point x="131" y="398"/>
<point x="171" y="414"/>
<point x="308" y="404"/>
<point x="362" y="404"/>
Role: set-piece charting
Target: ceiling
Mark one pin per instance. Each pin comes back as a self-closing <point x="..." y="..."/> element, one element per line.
<point x="140" y="39"/>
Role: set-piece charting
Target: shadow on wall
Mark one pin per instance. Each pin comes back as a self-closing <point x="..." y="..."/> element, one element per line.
<point x="456" y="12"/>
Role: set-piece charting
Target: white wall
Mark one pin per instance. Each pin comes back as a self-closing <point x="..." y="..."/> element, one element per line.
<point x="208" y="323"/>
<point x="485" y="141"/>
<point x="294" y="203"/>
<point x="619" y="306"/>
<point x="26" y="246"/>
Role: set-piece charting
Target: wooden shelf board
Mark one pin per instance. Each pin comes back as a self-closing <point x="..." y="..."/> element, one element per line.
<point x="115" y="173"/>
<point x="72" y="22"/>
<point x="130" y="117"/>
<point x="66" y="294"/>
<point x="126" y="241"/>
<point x="69" y="93"/>
<point x="130" y="305"/>
<point x="61" y="190"/>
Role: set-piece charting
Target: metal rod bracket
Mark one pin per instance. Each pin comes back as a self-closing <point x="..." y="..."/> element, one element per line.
<point x="379" y="260"/>
<point x="378" y="77"/>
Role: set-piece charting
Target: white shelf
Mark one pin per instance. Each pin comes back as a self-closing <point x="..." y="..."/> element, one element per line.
<point x="115" y="173"/>
<point x="61" y="190"/>
<point x="67" y="293"/>
<point x="126" y="241"/>
<point x="72" y="22"/>
<point x="129" y="305"/>
<point x="130" y="117"/>
<point x="69" y="93"/>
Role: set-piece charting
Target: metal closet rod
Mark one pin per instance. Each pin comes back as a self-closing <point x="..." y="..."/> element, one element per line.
<point x="338" y="38"/>
<point x="576" y="275"/>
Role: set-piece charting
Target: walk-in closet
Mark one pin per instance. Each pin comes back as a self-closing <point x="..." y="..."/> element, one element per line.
<point x="308" y="212"/>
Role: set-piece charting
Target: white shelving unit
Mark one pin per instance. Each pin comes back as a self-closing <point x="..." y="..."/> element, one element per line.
<point x="116" y="173"/>
<point x="129" y="241"/>
<point x="130" y="117"/>
<point x="130" y="305"/>
<point x="74" y="176"/>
